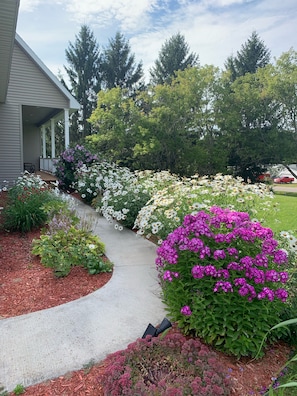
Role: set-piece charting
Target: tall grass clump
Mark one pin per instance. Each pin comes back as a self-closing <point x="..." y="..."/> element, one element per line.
<point x="223" y="278"/>
<point x="24" y="210"/>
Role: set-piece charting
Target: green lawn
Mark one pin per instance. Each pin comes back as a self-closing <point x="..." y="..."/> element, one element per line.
<point x="285" y="219"/>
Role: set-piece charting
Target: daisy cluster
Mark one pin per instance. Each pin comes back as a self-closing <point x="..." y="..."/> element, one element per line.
<point x="167" y="207"/>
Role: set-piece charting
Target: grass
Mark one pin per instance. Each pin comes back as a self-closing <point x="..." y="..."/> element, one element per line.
<point x="285" y="218"/>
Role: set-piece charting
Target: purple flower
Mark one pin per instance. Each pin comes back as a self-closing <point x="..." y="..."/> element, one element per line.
<point x="281" y="294"/>
<point x="266" y="293"/>
<point x="224" y="286"/>
<point x="219" y="254"/>
<point x="280" y="257"/>
<point x="261" y="260"/>
<point x="198" y="271"/>
<point x="186" y="310"/>
<point x="272" y="276"/>
<point x="232" y="251"/>
<point x="210" y="270"/>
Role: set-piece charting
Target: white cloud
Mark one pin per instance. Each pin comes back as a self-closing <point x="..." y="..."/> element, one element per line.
<point x="132" y="14"/>
<point x="29" y="5"/>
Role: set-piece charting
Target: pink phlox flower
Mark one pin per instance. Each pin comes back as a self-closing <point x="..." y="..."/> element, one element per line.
<point x="195" y="244"/>
<point x="261" y="260"/>
<point x="210" y="270"/>
<point x="257" y="275"/>
<point x="266" y="293"/>
<point x="246" y="262"/>
<point x="272" y="276"/>
<point x="234" y="266"/>
<point x="224" y="286"/>
<point x="245" y="234"/>
<point x="205" y="251"/>
<point x="198" y="271"/>
<point x="223" y="273"/>
<point x="283" y="276"/>
<point x="239" y="281"/>
<point x="280" y="257"/>
<point x="232" y="251"/>
<point x="219" y="254"/>
<point x="281" y="294"/>
<point x="219" y="238"/>
<point x="269" y="245"/>
<point x="186" y="310"/>
<point x="247" y="290"/>
<point x="167" y="276"/>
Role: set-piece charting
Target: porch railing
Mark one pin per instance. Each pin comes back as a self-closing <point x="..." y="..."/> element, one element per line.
<point x="47" y="164"/>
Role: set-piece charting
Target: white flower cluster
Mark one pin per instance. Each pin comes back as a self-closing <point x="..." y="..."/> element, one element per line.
<point x="156" y="202"/>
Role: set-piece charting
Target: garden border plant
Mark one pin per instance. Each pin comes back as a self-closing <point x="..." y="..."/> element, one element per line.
<point x="220" y="274"/>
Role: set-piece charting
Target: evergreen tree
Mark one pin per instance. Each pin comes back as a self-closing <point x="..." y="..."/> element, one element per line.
<point x="174" y="56"/>
<point x="252" y="55"/>
<point x="83" y="73"/>
<point x="119" y="68"/>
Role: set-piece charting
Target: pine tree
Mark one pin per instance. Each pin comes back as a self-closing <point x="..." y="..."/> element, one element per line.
<point x="83" y="72"/>
<point x="174" y="55"/>
<point x="252" y="55"/>
<point x="119" y="68"/>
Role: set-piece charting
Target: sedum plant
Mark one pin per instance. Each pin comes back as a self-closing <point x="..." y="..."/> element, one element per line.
<point x="172" y="365"/>
<point x="223" y="278"/>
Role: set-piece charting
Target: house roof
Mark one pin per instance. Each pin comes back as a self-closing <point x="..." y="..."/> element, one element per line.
<point x="73" y="103"/>
<point x="8" y="20"/>
<point x="8" y="36"/>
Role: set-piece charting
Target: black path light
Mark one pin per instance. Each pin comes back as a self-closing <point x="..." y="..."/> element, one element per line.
<point x="155" y="331"/>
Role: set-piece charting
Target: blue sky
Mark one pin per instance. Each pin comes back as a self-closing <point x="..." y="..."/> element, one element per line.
<point x="214" y="29"/>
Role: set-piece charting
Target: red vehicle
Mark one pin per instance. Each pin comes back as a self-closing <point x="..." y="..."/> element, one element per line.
<point x="284" y="179"/>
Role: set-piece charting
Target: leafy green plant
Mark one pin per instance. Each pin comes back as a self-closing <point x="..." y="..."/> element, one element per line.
<point x="25" y="205"/>
<point x="69" y="162"/>
<point x="19" y="389"/>
<point x="172" y="365"/>
<point x="64" y="249"/>
<point x="221" y="275"/>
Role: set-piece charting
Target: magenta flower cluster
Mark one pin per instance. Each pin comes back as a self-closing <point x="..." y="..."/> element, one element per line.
<point x="236" y="254"/>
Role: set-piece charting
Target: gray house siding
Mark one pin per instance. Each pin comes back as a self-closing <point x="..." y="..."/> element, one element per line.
<point x="20" y="140"/>
<point x="10" y="142"/>
<point x="29" y="85"/>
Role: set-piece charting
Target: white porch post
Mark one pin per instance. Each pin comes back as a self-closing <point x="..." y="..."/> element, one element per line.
<point x="66" y="123"/>
<point x="53" y="154"/>
<point x="43" y="142"/>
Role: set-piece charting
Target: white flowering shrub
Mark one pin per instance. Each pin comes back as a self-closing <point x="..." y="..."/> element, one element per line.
<point x="167" y="207"/>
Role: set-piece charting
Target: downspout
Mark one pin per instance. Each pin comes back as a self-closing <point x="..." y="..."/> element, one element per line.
<point x="66" y="123"/>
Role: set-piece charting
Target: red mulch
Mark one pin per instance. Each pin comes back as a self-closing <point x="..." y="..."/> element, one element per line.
<point x="26" y="286"/>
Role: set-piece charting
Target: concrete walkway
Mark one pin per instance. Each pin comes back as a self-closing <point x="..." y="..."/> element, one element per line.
<point x="49" y="343"/>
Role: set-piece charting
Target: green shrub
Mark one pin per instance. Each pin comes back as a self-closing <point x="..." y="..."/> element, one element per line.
<point x="71" y="247"/>
<point x="69" y="162"/>
<point x="24" y="210"/>
<point x="165" y="366"/>
<point x="221" y="275"/>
